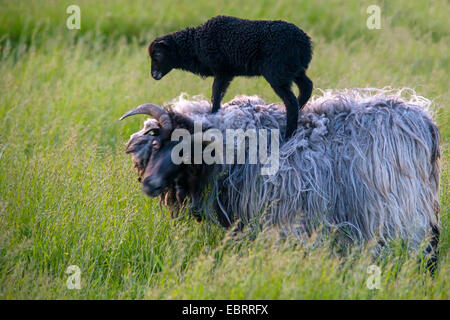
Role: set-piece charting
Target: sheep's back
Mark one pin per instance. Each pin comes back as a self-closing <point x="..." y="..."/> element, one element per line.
<point x="244" y="47"/>
<point x="365" y="161"/>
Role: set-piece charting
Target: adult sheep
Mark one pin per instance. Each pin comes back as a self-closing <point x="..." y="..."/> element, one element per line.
<point x="363" y="161"/>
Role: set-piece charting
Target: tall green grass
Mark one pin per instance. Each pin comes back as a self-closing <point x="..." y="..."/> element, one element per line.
<point x="68" y="194"/>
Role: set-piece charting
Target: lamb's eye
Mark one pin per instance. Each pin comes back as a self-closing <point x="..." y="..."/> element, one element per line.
<point x="157" y="55"/>
<point x="152" y="132"/>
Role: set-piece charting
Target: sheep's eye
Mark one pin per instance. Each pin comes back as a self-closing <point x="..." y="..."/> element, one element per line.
<point x="152" y="132"/>
<point x="157" y="55"/>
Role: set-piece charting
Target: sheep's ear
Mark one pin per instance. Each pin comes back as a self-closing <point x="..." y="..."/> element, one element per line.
<point x="163" y="42"/>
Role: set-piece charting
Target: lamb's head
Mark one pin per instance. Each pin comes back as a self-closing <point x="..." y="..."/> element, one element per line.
<point x="151" y="151"/>
<point x="162" y="57"/>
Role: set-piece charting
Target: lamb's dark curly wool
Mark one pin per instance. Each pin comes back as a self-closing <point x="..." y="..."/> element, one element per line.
<point x="226" y="47"/>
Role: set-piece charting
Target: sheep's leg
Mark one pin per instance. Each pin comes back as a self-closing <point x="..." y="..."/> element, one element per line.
<point x="219" y="88"/>
<point x="305" y="85"/>
<point x="291" y="103"/>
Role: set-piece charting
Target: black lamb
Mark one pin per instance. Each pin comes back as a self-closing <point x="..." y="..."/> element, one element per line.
<point x="225" y="47"/>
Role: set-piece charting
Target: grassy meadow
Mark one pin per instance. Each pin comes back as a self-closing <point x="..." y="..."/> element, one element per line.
<point x="69" y="195"/>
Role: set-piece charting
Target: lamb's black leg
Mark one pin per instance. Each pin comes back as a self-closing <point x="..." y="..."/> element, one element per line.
<point x="219" y="88"/>
<point x="305" y="86"/>
<point x="291" y="103"/>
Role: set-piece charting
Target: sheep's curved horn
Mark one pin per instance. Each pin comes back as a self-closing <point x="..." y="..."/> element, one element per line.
<point x="158" y="113"/>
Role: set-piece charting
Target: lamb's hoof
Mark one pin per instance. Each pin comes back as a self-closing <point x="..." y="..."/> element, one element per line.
<point x="286" y="137"/>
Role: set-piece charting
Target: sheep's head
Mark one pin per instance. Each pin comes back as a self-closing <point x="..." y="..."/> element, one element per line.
<point x="151" y="151"/>
<point x="162" y="57"/>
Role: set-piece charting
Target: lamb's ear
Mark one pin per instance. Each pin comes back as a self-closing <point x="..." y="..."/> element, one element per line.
<point x="163" y="42"/>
